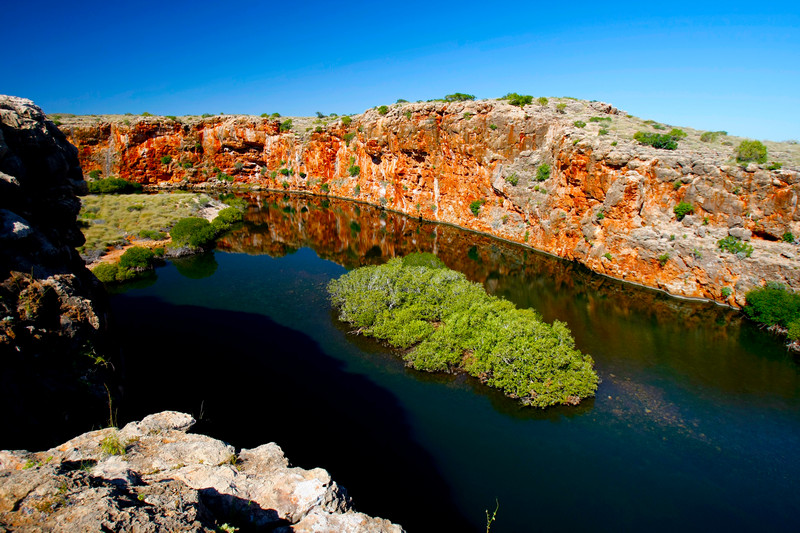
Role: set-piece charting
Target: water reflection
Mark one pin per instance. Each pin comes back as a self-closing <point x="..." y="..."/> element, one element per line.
<point x="354" y="235"/>
<point x="619" y="324"/>
<point x="197" y="266"/>
<point x="694" y="427"/>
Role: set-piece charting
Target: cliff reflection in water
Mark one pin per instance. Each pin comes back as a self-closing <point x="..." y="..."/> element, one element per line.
<point x="622" y="326"/>
<point x="353" y="235"/>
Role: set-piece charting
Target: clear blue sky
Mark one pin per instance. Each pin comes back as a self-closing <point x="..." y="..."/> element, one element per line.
<point x="706" y="65"/>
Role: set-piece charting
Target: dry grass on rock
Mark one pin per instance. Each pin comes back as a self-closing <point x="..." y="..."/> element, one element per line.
<point x="112" y="220"/>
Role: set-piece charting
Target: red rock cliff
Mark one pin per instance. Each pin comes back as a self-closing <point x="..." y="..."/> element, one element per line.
<point x="607" y="201"/>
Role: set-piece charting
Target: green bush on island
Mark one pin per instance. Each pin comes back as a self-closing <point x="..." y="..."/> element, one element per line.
<point x="113" y="186"/>
<point x="447" y="323"/>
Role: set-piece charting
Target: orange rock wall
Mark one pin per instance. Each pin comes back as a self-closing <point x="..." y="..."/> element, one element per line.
<point x="608" y="206"/>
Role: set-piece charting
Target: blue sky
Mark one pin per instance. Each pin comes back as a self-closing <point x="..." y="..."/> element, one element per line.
<point x="707" y="65"/>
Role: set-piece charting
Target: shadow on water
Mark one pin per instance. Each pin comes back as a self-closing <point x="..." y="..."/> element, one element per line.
<point x="693" y="427"/>
<point x="254" y="381"/>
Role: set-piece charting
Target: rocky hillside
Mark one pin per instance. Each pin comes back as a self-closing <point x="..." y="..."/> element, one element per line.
<point x="51" y="305"/>
<point x="154" y="476"/>
<point x="565" y="177"/>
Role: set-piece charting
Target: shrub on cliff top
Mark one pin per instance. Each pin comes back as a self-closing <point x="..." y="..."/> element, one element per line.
<point x="712" y="136"/>
<point x="448" y="323"/>
<point x="286" y="125"/>
<point x="656" y="140"/>
<point x="519" y="100"/>
<point x="382" y="110"/>
<point x="751" y="151"/>
<point x="458" y="97"/>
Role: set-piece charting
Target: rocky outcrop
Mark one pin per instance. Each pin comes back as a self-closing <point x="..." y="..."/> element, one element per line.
<point x="49" y="302"/>
<point x="607" y="201"/>
<point x="154" y="476"/>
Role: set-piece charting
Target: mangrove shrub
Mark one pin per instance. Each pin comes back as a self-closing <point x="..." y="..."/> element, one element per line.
<point x="113" y="186"/>
<point x="774" y="305"/>
<point x="447" y="323"/>
<point x="193" y="231"/>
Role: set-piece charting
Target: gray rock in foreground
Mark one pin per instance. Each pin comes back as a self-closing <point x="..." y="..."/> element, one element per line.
<point x="169" y="480"/>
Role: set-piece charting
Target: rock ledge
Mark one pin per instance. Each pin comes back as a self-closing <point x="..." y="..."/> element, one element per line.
<point x="169" y="480"/>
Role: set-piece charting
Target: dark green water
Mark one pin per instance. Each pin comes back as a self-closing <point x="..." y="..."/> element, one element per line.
<point x="695" y="427"/>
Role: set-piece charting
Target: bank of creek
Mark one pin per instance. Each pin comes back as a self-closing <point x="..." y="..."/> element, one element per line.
<point x="695" y="425"/>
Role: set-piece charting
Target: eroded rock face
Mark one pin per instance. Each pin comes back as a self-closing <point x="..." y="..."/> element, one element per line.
<point x="170" y="480"/>
<point x="50" y="304"/>
<point x="607" y="202"/>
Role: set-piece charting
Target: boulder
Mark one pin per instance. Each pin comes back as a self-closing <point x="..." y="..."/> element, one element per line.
<point x="158" y="477"/>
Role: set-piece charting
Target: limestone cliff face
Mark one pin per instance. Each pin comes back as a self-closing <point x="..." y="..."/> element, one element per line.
<point x="50" y="303"/>
<point x="607" y="201"/>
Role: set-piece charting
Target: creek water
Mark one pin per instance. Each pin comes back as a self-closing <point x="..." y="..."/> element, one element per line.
<point x="695" y="427"/>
